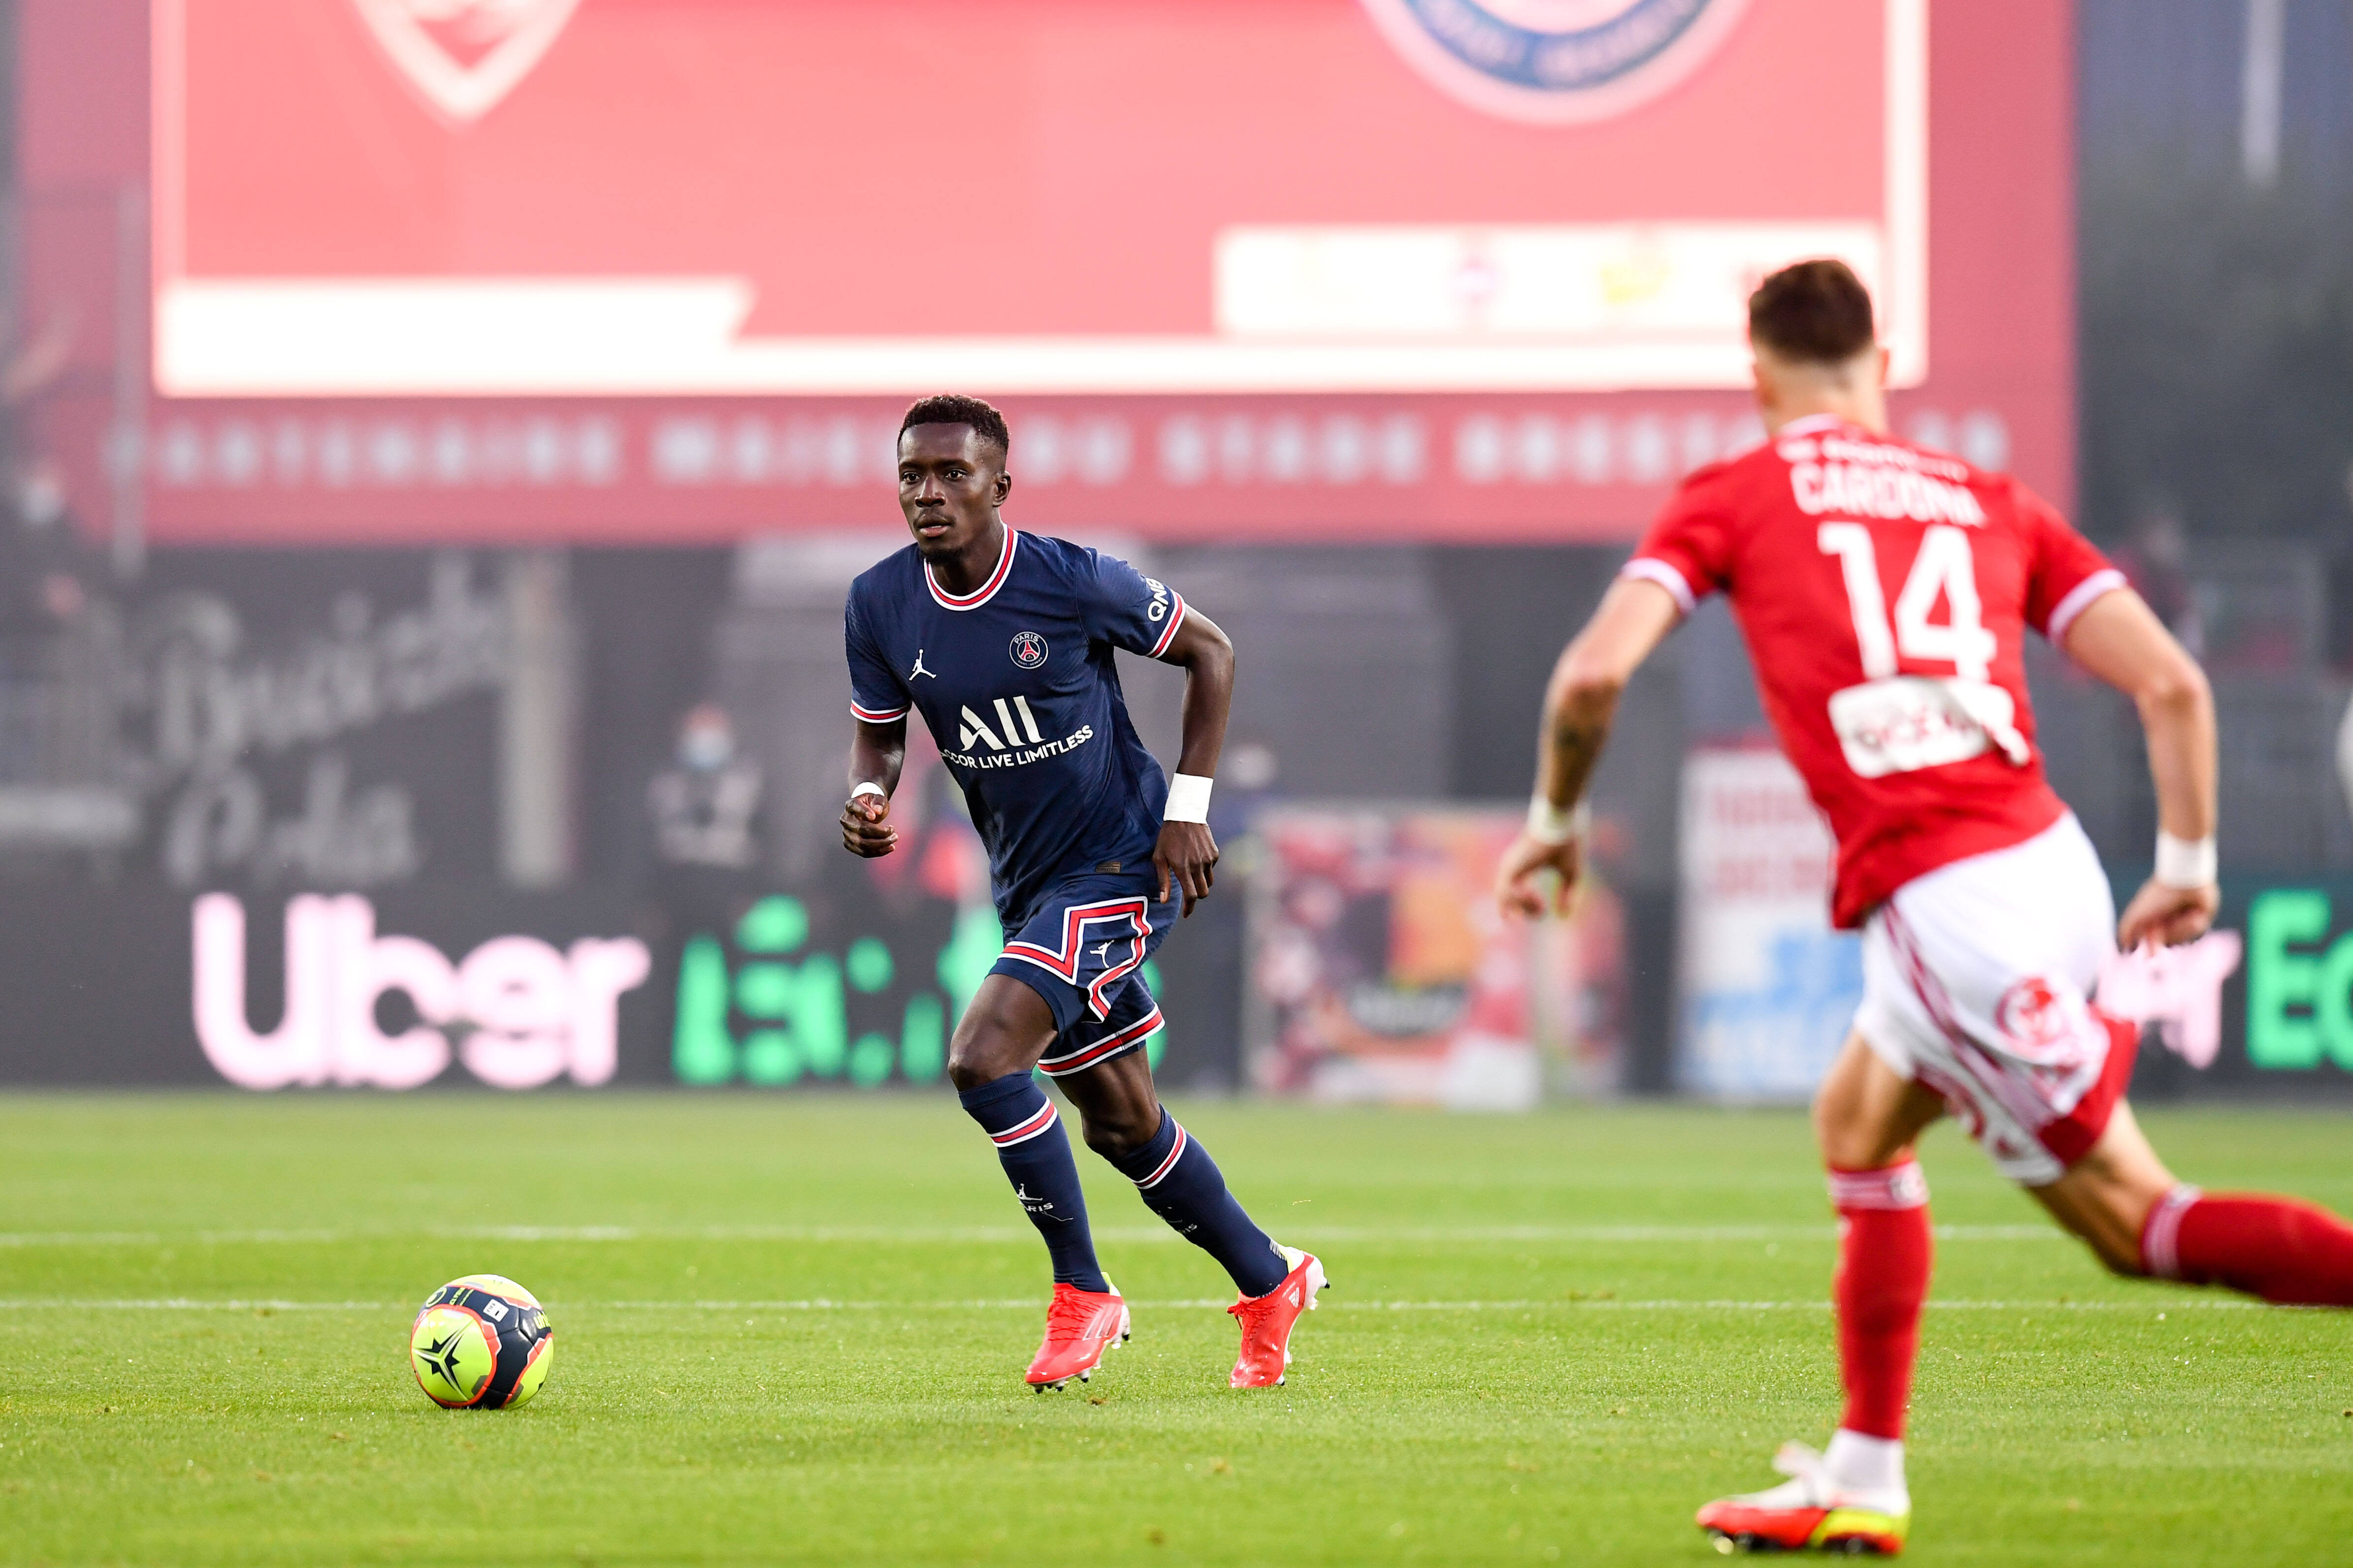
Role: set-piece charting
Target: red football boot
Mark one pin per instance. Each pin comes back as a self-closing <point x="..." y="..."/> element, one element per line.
<point x="1079" y="1326"/>
<point x="1267" y="1321"/>
<point x="1809" y="1513"/>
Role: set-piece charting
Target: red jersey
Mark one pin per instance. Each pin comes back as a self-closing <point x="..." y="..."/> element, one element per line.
<point x="1885" y="591"/>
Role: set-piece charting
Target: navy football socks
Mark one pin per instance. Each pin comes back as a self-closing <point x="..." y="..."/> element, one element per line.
<point x="1036" y="1154"/>
<point x="1184" y="1186"/>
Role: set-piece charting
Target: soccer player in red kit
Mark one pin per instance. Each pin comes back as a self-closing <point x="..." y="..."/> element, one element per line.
<point x="1884" y="592"/>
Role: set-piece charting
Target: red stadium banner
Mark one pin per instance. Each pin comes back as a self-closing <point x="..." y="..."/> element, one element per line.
<point x="1444" y="268"/>
<point x="535" y="198"/>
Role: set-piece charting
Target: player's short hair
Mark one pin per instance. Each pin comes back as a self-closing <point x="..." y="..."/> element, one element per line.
<point x="954" y="408"/>
<point x="1814" y="312"/>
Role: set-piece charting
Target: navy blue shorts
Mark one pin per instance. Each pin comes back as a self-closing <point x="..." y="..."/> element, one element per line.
<point x="1083" y="951"/>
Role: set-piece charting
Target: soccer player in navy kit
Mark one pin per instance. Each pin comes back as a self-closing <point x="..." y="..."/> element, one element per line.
<point x="1004" y="642"/>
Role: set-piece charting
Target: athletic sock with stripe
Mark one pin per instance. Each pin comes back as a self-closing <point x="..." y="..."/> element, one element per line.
<point x="2278" y="1248"/>
<point x="1884" y="1252"/>
<point x="1184" y="1186"/>
<point x="1036" y="1154"/>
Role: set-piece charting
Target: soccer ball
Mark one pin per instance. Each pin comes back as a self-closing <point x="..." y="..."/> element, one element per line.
<point x="481" y="1341"/>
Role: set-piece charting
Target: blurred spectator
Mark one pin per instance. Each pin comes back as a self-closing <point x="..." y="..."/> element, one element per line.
<point x="706" y="807"/>
<point x="50" y="584"/>
<point x="706" y="819"/>
<point x="48" y="575"/>
<point x="2155" y="557"/>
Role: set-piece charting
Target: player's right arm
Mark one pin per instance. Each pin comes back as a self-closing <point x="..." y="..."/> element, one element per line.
<point x="876" y="752"/>
<point x="879" y="704"/>
<point x="2119" y="639"/>
<point x="1634" y="617"/>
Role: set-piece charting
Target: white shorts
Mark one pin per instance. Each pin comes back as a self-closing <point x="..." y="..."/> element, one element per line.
<point x="1976" y="980"/>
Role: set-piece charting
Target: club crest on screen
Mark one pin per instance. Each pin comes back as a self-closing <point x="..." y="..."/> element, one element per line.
<point x="1555" y="61"/>
<point x="1028" y="649"/>
<point x="462" y="57"/>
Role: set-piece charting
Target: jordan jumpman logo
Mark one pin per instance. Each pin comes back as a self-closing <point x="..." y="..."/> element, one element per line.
<point x="919" y="669"/>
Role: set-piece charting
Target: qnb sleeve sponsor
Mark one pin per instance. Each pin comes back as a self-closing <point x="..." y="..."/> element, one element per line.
<point x="1135" y="612"/>
<point x="1884" y="592"/>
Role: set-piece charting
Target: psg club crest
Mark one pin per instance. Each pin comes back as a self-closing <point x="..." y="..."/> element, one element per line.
<point x="1555" y="61"/>
<point x="1028" y="649"/>
<point x="462" y="57"/>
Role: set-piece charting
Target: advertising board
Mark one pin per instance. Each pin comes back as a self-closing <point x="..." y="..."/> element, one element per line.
<point x="269" y="720"/>
<point x="440" y="269"/>
<point x="2276" y="999"/>
<point x="1380" y="969"/>
<point x="525" y="198"/>
<point x="133" y="984"/>
<point x="518" y="1012"/>
<point x="1767" y="994"/>
<point x="845" y="983"/>
<point x="1766" y="987"/>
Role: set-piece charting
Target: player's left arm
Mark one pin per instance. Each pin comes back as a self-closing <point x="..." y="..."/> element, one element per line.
<point x="2119" y="639"/>
<point x="1635" y="616"/>
<point x="1186" y="854"/>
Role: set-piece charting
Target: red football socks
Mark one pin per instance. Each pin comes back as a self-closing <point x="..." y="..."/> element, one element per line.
<point x="1884" y="1251"/>
<point x="2278" y="1248"/>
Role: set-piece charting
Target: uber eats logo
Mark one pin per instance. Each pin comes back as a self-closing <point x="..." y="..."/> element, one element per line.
<point x="794" y="1004"/>
<point x="784" y="1011"/>
<point x="2299" y="982"/>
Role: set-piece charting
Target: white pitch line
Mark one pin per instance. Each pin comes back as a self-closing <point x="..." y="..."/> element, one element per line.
<point x="824" y="1304"/>
<point x="981" y="1234"/>
<point x="186" y="1304"/>
<point x="1525" y="1304"/>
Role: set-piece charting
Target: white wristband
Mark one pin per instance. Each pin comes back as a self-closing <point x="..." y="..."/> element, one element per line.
<point x="870" y="788"/>
<point x="1548" y="825"/>
<point x="1189" y="799"/>
<point x="2184" y="862"/>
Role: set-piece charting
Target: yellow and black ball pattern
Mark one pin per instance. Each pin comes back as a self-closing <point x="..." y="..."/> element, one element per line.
<point x="480" y="1343"/>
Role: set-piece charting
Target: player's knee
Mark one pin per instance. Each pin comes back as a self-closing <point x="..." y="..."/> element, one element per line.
<point x="1833" y="1114"/>
<point x="982" y="1061"/>
<point x="1117" y="1133"/>
<point x="982" y="1052"/>
<point x="1826" y="1131"/>
<point x="1847" y="1143"/>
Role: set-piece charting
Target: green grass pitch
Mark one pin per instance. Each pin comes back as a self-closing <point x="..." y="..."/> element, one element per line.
<point x="794" y="1331"/>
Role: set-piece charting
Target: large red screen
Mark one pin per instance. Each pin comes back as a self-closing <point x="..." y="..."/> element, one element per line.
<point x="663" y="269"/>
<point x="869" y="196"/>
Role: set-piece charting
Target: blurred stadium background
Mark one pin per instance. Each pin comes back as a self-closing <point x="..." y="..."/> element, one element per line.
<point x="438" y="437"/>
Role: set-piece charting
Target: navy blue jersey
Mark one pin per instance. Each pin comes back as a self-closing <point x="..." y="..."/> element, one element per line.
<point x="1018" y="683"/>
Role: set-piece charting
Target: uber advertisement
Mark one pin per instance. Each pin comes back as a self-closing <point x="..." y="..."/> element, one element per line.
<point x="2297" y="994"/>
<point x="402" y="988"/>
<point x="2261" y="1006"/>
<point x="531" y="818"/>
